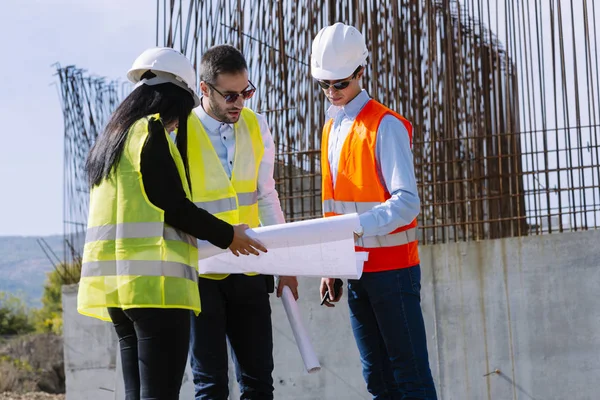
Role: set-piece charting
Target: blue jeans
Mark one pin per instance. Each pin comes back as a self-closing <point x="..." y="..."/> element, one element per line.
<point x="387" y="321"/>
<point x="237" y="309"/>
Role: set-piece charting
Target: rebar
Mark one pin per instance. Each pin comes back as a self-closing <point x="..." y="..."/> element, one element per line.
<point x="503" y="97"/>
<point x="87" y="102"/>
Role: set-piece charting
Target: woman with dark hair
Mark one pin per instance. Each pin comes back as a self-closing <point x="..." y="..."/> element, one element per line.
<point x="139" y="267"/>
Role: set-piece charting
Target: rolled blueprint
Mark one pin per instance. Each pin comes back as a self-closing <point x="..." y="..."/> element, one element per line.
<point x="318" y="247"/>
<point x="311" y="362"/>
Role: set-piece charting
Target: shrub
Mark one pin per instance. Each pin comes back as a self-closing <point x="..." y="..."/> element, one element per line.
<point x="49" y="317"/>
<point x="14" y="315"/>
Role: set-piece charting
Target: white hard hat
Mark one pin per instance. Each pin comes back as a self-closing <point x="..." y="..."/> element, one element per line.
<point x="168" y="65"/>
<point x="337" y="51"/>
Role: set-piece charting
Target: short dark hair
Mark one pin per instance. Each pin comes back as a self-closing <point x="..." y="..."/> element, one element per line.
<point x="221" y="59"/>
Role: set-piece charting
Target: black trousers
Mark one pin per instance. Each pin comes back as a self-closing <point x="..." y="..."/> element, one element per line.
<point x="154" y="347"/>
<point x="236" y="309"/>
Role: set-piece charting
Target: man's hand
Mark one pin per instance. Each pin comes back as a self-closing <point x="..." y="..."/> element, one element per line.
<point x="327" y="285"/>
<point x="289" y="281"/>
<point x="356" y="237"/>
<point x="244" y="244"/>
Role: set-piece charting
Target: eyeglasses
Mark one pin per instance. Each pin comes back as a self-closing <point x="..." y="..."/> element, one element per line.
<point x="232" y="97"/>
<point x="337" y="86"/>
<point x="341" y="85"/>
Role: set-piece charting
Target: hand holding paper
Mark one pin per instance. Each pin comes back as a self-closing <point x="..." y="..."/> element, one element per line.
<point x="244" y="244"/>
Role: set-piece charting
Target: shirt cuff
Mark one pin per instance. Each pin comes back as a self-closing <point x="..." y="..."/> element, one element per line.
<point x="369" y="224"/>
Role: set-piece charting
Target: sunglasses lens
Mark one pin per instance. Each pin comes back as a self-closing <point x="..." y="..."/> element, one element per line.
<point x="246" y="94"/>
<point x="324" y="85"/>
<point x="336" y="86"/>
<point x="341" y="85"/>
<point x="231" y="98"/>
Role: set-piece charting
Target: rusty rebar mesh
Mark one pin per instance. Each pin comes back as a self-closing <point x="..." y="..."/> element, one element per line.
<point x="503" y="96"/>
<point x="87" y="102"/>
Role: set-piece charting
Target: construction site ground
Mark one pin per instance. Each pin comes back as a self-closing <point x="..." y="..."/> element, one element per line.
<point x="31" y="396"/>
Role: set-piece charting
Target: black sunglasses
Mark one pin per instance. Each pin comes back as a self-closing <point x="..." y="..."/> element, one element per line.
<point x="232" y="97"/>
<point x="337" y="86"/>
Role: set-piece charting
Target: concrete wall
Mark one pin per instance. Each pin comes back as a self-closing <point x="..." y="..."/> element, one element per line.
<point x="90" y="350"/>
<point x="527" y="307"/>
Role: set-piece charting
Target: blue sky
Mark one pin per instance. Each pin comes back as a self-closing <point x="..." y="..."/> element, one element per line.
<point x="103" y="37"/>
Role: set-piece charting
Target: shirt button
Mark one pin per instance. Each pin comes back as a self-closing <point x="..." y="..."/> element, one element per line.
<point x="224" y="138"/>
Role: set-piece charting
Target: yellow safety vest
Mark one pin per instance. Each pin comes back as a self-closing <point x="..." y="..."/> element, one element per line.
<point x="131" y="258"/>
<point x="233" y="200"/>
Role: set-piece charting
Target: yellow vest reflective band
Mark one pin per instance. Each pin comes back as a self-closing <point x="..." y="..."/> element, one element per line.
<point x="233" y="200"/>
<point x="131" y="258"/>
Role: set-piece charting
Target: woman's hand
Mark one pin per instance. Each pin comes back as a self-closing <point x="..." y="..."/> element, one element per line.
<point x="244" y="244"/>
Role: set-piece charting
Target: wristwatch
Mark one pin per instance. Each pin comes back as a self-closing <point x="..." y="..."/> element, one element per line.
<point x="360" y="231"/>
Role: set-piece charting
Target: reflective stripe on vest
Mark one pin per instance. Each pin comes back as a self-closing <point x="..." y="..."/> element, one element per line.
<point x="228" y="204"/>
<point x="217" y="206"/>
<point x="248" y="199"/>
<point x="137" y="230"/>
<point x="139" y="268"/>
<point x="391" y="240"/>
<point x="348" y="207"/>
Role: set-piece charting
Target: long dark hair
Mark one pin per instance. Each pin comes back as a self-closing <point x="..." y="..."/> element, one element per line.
<point x="170" y="101"/>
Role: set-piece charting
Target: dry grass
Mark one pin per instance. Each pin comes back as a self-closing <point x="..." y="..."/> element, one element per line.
<point x="9" y="377"/>
<point x="32" y="363"/>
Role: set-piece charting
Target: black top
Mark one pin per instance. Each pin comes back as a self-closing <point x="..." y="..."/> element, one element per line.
<point x="165" y="190"/>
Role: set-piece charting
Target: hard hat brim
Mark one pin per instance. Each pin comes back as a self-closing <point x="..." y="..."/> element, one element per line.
<point x="134" y="75"/>
<point x="196" y="100"/>
<point x="327" y="75"/>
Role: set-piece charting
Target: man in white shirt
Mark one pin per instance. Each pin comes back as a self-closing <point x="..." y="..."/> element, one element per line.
<point x="367" y="168"/>
<point x="234" y="307"/>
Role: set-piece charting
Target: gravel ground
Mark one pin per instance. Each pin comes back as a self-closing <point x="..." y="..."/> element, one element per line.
<point x="31" y="396"/>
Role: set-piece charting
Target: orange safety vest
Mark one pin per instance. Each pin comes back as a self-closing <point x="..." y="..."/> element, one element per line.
<point x="358" y="189"/>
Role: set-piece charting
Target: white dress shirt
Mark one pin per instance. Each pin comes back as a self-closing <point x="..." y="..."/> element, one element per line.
<point x="394" y="166"/>
<point x="222" y="137"/>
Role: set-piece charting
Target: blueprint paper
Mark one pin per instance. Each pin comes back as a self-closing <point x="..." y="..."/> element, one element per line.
<point x="322" y="247"/>
<point x="307" y="352"/>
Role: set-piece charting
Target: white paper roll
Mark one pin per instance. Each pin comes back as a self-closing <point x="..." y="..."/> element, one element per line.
<point x="318" y="247"/>
<point x="311" y="362"/>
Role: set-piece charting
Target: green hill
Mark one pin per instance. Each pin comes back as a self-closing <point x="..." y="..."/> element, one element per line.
<point x="23" y="265"/>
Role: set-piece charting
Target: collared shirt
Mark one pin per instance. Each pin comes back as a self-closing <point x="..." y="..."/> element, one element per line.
<point x="222" y="137"/>
<point x="394" y="166"/>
